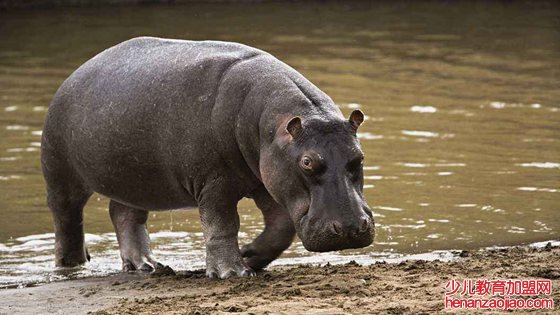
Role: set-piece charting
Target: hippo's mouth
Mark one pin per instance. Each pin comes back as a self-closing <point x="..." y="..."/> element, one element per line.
<point x="317" y="233"/>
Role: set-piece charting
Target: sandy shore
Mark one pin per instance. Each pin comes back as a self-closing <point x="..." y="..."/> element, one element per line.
<point x="411" y="287"/>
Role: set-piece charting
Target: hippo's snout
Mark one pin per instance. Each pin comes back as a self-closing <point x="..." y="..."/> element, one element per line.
<point x="338" y="234"/>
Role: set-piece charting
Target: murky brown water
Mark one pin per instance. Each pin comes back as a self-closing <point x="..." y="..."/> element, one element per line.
<point x="462" y="140"/>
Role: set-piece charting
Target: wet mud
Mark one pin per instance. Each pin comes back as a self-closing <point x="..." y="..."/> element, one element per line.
<point x="410" y="287"/>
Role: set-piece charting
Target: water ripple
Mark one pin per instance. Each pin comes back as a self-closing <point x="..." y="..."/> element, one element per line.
<point x="423" y="109"/>
<point x="417" y="133"/>
<point x="541" y="165"/>
<point x="552" y="190"/>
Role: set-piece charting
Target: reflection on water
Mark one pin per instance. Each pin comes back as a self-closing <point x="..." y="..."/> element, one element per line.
<point x="462" y="133"/>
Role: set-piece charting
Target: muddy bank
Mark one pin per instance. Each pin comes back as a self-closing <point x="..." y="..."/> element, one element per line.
<point x="410" y="287"/>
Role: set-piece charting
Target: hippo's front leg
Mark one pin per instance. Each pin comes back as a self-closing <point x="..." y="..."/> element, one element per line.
<point x="278" y="233"/>
<point x="220" y="222"/>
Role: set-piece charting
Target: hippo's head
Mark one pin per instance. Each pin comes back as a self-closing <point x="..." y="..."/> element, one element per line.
<point x="314" y="168"/>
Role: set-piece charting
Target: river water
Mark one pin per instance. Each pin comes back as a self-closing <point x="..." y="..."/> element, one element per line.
<point x="462" y="137"/>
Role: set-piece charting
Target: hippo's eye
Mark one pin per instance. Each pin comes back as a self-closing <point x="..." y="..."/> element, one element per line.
<point x="312" y="163"/>
<point x="307" y="163"/>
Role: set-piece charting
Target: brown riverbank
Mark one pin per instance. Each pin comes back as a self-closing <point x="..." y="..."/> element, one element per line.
<point x="407" y="288"/>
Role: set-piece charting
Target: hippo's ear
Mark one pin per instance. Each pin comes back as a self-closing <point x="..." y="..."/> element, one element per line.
<point x="356" y="119"/>
<point x="294" y="127"/>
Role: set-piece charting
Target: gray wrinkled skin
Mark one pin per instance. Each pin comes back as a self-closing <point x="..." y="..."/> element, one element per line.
<point x="157" y="124"/>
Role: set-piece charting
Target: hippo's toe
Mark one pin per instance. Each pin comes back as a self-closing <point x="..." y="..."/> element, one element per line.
<point x="145" y="265"/>
<point x="239" y="270"/>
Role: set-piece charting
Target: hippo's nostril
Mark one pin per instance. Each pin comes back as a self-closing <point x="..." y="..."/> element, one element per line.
<point x="364" y="226"/>
<point x="337" y="228"/>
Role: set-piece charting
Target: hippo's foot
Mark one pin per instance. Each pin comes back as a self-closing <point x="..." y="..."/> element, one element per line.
<point x="227" y="267"/>
<point x="255" y="258"/>
<point x="72" y="259"/>
<point x="267" y="247"/>
<point x="142" y="263"/>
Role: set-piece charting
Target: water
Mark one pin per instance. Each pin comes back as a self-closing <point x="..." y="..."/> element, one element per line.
<point x="462" y="138"/>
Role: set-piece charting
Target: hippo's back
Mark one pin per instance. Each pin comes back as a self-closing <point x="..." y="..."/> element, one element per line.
<point x="146" y="76"/>
<point x="145" y="65"/>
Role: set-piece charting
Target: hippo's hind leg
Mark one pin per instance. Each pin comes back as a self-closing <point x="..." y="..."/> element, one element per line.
<point x="278" y="233"/>
<point x="66" y="197"/>
<point x="133" y="238"/>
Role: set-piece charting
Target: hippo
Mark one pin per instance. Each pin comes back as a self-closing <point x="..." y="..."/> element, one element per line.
<point x="160" y="124"/>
